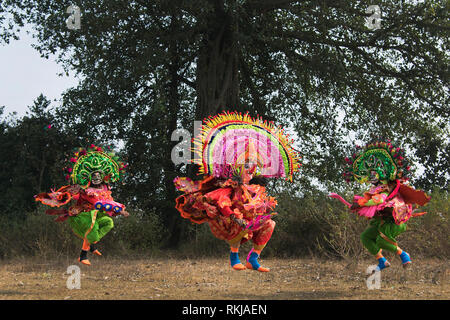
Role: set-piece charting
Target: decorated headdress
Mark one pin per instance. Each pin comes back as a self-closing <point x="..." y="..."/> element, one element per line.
<point x="386" y="160"/>
<point x="86" y="161"/>
<point x="229" y="140"/>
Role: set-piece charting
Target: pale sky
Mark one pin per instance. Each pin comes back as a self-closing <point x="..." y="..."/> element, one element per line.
<point x="25" y="75"/>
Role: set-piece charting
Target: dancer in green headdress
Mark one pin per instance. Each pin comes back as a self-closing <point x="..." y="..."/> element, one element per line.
<point x="389" y="203"/>
<point x="90" y="217"/>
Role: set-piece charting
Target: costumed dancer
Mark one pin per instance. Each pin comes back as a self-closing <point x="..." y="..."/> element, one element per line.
<point x="91" y="171"/>
<point x="389" y="203"/>
<point x="235" y="152"/>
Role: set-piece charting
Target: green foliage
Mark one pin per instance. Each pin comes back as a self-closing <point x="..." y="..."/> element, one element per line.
<point x="31" y="158"/>
<point x="139" y="233"/>
<point x="199" y="241"/>
<point x="36" y="235"/>
<point x="429" y="235"/>
<point x="316" y="226"/>
<point x="39" y="235"/>
<point x="149" y="67"/>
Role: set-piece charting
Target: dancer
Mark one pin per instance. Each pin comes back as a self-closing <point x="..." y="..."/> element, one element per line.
<point x="235" y="153"/>
<point x="389" y="203"/>
<point x="90" y="217"/>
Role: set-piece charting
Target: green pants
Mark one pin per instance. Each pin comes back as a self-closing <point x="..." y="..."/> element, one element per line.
<point x="374" y="241"/>
<point x="92" y="225"/>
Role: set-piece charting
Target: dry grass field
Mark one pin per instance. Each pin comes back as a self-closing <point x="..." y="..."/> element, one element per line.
<point x="212" y="278"/>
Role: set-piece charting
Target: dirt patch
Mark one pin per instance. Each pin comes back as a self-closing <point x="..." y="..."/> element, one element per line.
<point x="205" y="279"/>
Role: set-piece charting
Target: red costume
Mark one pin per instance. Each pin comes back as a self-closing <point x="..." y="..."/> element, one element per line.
<point x="234" y="151"/>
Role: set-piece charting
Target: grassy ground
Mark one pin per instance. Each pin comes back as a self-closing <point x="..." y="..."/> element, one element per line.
<point x="212" y="278"/>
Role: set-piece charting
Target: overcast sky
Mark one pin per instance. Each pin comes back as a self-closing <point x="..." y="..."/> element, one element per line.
<point x="25" y="75"/>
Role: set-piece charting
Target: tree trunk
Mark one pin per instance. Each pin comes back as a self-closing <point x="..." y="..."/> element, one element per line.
<point x="173" y="220"/>
<point x="217" y="69"/>
<point x="217" y="89"/>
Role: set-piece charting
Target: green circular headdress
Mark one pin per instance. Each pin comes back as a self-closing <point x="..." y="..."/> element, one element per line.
<point x="386" y="160"/>
<point x="94" y="159"/>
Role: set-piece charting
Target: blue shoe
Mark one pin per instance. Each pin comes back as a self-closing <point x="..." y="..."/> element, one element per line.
<point x="253" y="264"/>
<point x="235" y="262"/>
<point x="406" y="260"/>
<point x="383" y="263"/>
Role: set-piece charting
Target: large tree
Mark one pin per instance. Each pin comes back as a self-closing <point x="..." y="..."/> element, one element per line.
<point x="148" y="67"/>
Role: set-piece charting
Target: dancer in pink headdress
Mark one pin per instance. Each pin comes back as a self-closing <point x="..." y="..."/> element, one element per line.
<point x="236" y="153"/>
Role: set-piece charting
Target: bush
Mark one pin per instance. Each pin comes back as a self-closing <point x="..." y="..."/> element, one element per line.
<point x="314" y="225"/>
<point x="38" y="235"/>
<point x="323" y="226"/>
<point x="199" y="241"/>
<point x="429" y="235"/>
<point x="140" y="233"/>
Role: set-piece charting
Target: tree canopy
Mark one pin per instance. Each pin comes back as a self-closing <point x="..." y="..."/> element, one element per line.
<point x="149" y="67"/>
